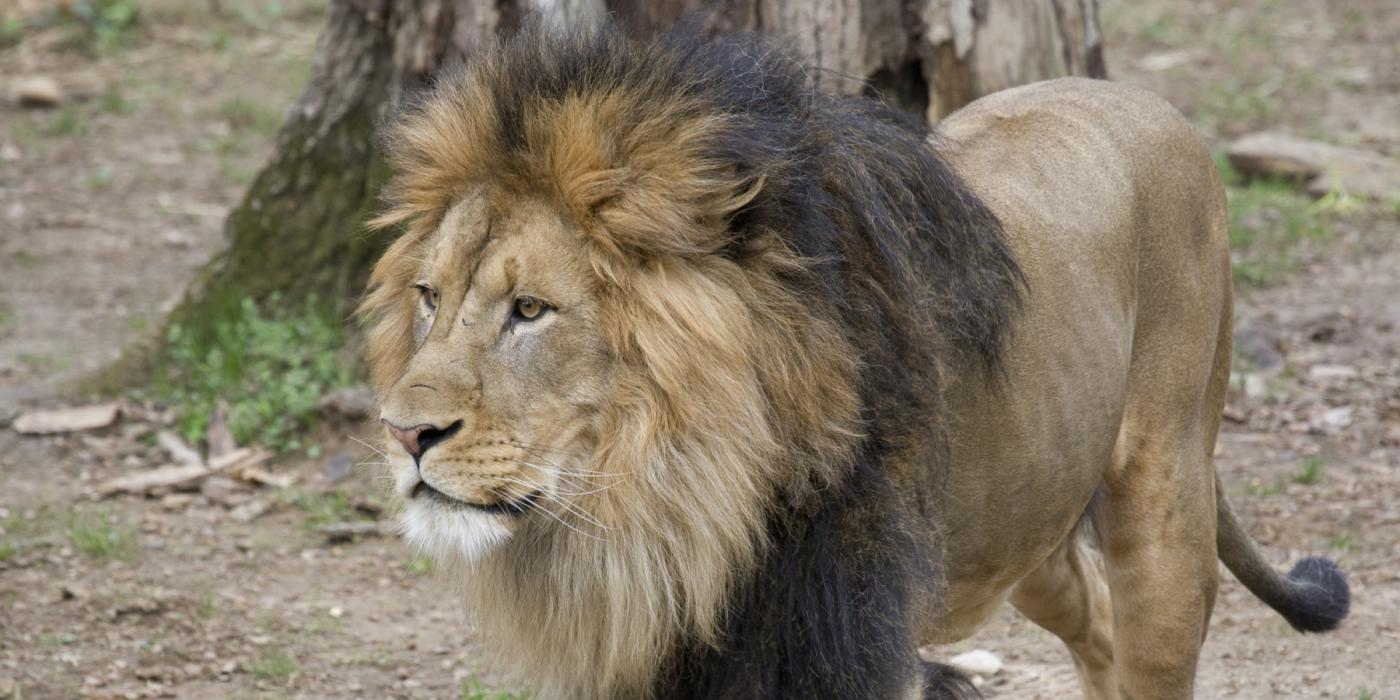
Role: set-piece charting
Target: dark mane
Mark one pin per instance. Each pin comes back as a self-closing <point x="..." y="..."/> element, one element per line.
<point x="897" y="243"/>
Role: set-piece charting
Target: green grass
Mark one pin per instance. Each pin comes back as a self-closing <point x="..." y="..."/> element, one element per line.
<point x="326" y="508"/>
<point x="269" y="368"/>
<point x="18" y="533"/>
<point x="419" y="566"/>
<point x="44" y="362"/>
<point x="1345" y="543"/>
<point x="69" y="122"/>
<point x="262" y="17"/>
<point x="7" y="315"/>
<point x="11" y="28"/>
<point x="1270" y="221"/>
<point x="1164" y="29"/>
<point x="100" y="536"/>
<point x="274" y="663"/>
<point x="100" y="25"/>
<point x="235" y="172"/>
<point x="297" y="69"/>
<point x="218" y="39"/>
<point x="1311" y="471"/>
<point x="1238" y="103"/>
<point x="244" y="114"/>
<point x="322" y="626"/>
<point x="208" y="606"/>
<point x="1259" y="488"/>
<point x="57" y="640"/>
<point x="113" y="101"/>
<point x="473" y="689"/>
<point x="99" y="179"/>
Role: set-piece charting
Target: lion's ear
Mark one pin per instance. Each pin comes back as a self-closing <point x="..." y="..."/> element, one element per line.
<point x="682" y="210"/>
<point x="650" y="185"/>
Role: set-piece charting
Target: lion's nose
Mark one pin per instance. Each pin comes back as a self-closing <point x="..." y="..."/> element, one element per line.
<point x="419" y="438"/>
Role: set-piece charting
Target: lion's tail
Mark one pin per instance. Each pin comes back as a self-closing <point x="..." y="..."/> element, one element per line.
<point x="1313" y="597"/>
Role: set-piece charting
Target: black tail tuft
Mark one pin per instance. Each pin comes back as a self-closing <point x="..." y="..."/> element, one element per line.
<point x="943" y="682"/>
<point x="1320" y="596"/>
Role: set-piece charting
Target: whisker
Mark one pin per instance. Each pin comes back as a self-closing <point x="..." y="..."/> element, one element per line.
<point x="572" y="472"/>
<point x="587" y="485"/>
<point x="376" y="450"/>
<point x="565" y="473"/>
<point x="536" y="507"/>
<point x="541" y="448"/>
<point x="573" y="508"/>
<point x="560" y="467"/>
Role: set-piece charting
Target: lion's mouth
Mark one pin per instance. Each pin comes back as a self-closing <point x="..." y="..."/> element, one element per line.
<point x="501" y="507"/>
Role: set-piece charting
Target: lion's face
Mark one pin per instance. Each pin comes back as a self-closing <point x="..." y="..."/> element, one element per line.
<point x="494" y="415"/>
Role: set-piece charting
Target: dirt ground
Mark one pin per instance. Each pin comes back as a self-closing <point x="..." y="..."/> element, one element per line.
<point x="110" y="202"/>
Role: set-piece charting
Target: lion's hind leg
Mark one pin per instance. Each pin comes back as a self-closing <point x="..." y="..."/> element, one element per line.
<point x="1068" y="596"/>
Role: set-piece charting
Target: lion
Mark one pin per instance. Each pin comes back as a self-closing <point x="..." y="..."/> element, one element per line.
<point x="707" y="383"/>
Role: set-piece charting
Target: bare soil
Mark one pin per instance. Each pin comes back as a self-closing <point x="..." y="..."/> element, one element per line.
<point x="110" y="202"/>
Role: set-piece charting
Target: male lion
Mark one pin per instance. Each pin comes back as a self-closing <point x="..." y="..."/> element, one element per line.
<point x="712" y="384"/>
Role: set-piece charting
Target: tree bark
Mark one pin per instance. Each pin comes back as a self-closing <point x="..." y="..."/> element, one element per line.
<point x="299" y="229"/>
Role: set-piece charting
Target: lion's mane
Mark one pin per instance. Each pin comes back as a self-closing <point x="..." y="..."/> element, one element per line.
<point x="787" y="273"/>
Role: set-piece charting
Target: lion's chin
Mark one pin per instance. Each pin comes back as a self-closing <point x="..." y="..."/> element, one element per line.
<point x="447" y="534"/>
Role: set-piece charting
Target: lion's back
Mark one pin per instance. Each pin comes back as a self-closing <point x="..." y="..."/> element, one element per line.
<point x="1093" y="155"/>
<point x="1114" y="211"/>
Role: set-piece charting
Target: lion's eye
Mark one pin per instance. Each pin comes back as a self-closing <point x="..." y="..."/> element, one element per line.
<point x="429" y="297"/>
<point x="528" y="308"/>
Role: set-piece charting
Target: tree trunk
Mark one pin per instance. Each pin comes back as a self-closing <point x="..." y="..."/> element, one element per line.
<point x="931" y="56"/>
<point x="299" y="229"/>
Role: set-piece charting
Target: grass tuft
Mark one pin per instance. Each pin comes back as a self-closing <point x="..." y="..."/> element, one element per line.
<point x="1344" y="543"/>
<point x="326" y="508"/>
<point x="1270" y="223"/>
<point x="419" y="566"/>
<point x="270" y="369"/>
<point x="275" y="663"/>
<point x="245" y="114"/>
<point x="69" y="122"/>
<point x="103" y="24"/>
<point x="1259" y="488"/>
<point x="474" y="689"/>
<point x="1311" y="473"/>
<point x="100" y="536"/>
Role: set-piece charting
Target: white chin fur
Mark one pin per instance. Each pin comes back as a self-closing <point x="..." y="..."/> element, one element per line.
<point x="444" y="534"/>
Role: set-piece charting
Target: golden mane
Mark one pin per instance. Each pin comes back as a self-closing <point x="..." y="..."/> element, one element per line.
<point x="748" y="393"/>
